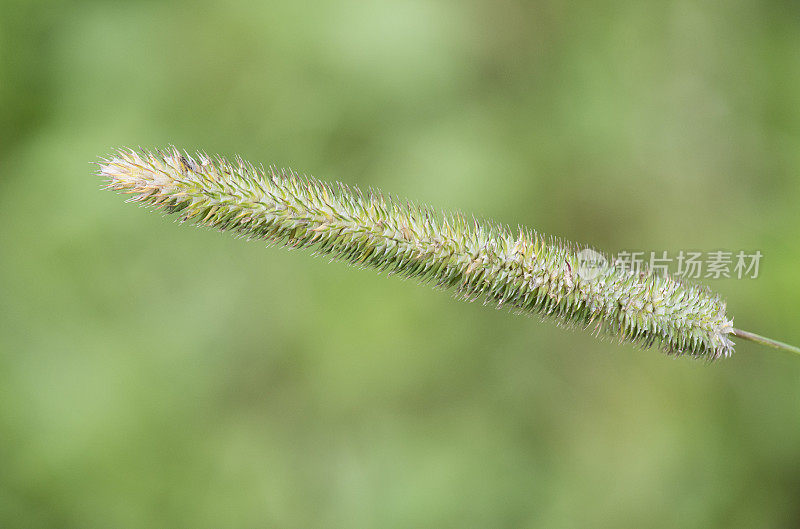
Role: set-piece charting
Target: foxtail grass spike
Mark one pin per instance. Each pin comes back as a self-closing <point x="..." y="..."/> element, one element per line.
<point x="520" y="269"/>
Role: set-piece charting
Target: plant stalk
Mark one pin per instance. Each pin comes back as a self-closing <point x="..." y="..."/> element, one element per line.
<point x="763" y="340"/>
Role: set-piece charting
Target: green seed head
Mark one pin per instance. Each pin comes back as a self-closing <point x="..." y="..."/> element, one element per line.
<point x="519" y="269"/>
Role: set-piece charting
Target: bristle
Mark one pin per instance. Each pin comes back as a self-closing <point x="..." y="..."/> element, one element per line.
<point x="520" y="270"/>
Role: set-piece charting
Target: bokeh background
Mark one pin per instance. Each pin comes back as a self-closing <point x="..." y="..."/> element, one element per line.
<point x="156" y="375"/>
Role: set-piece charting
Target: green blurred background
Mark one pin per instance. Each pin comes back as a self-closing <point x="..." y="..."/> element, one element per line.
<point x="156" y="375"/>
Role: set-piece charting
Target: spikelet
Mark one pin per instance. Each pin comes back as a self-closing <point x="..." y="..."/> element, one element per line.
<point x="520" y="269"/>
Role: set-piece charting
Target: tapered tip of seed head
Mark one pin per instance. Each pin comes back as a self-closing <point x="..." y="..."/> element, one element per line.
<point x="141" y="172"/>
